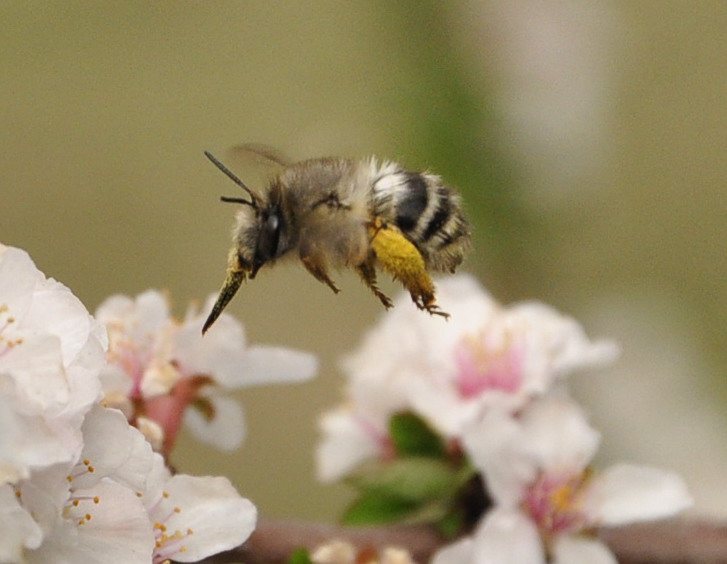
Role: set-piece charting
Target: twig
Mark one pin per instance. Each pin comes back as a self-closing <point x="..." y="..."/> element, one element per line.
<point x="666" y="542"/>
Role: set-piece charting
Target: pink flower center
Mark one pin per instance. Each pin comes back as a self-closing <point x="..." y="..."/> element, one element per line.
<point x="482" y="367"/>
<point x="556" y="504"/>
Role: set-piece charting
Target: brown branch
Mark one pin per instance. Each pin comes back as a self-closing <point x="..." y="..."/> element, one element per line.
<point x="666" y="542"/>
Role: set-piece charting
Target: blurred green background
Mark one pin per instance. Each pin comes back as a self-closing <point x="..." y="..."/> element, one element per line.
<point x="588" y="139"/>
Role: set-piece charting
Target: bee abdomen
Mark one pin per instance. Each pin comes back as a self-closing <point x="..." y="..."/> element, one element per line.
<point x="427" y="212"/>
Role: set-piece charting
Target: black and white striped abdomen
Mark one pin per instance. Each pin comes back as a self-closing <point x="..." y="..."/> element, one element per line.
<point x="425" y="210"/>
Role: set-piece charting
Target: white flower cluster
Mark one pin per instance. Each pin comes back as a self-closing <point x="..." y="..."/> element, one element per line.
<point x="77" y="482"/>
<point x="161" y="373"/>
<point x="492" y="383"/>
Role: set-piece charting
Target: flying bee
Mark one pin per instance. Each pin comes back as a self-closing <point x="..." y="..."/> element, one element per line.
<point x="339" y="212"/>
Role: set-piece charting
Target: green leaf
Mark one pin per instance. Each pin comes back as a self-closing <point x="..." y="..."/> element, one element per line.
<point x="414" y="479"/>
<point x="412" y="436"/>
<point x="300" y="556"/>
<point x="377" y="508"/>
<point x="451" y="524"/>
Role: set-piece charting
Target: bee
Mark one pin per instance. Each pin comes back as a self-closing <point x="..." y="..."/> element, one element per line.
<point x="339" y="212"/>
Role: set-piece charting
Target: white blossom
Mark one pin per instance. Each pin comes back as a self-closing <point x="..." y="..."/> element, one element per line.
<point x="50" y="352"/>
<point x="75" y="477"/>
<point x="159" y="367"/>
<point x="485" y="357"/>
<point x="547" y="497"/>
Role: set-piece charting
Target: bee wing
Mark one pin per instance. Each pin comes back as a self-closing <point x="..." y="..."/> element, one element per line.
<point x="258" y="163"/>
<point x="257" y="154"/>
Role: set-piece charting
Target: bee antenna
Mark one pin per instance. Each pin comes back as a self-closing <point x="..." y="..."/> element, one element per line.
<point x="236" y="201"/>
<point x="236" y="180"/>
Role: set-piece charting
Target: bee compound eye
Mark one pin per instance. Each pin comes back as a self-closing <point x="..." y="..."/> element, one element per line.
<point x="269" y="237"/>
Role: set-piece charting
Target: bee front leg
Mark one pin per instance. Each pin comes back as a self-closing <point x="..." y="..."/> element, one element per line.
<point x="367" y="272"/>
<point x="398" y="256"/>
<point x="236" y="275"/>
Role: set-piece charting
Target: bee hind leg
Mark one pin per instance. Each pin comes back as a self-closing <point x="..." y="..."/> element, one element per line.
<point x="367" y="272"/>
<point x="398" y="256"/>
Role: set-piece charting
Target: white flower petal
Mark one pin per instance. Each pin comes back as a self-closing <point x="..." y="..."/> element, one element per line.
<point x="497" y="448"/>
<point x="19" y="530"/>
<point x="115" y="449"/>
<point x="36" y="367"/>
<point x="347" y="441"/>
<point x="215" y="354"/>
<point x="272" y="365"/>
<point x="60" y="313"/>
<point x="30" y="439"/>
<point x="572" y="549"/>
<point x="438" y="403"/>
<point x="226" y="431"/>
<point x="626" y="493"/>
<point x="459" y="552"/>
<point x="118" y="532"/>
<point x="140" y="317"/>
<point x="558" y="435"/>
<point x="561" y="342"/>
<point x="211" y="514"/>
<point x="507" y="537"/>
<point x="18" y="279"/>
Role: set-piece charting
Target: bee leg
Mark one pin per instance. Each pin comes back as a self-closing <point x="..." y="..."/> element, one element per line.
<point x="236" y="275"/>
<point x="368" y="274"/>
<point x="317" y="268"/>
<point x="398" y="256"/>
